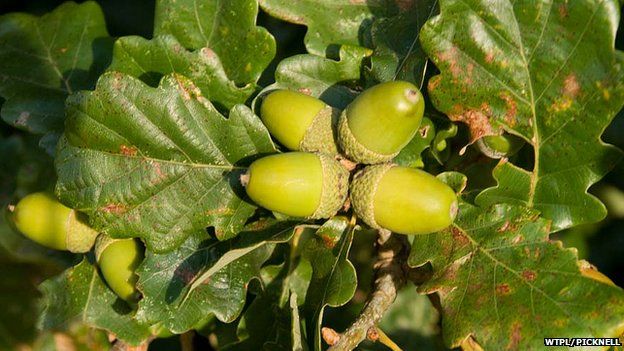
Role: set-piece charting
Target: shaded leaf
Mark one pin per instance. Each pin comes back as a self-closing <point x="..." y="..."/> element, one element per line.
<point x="320" y="16"/>
<point x="410" y="154"/>
<point x="502" y="281"/>
<point x="24" y="169"/>
<point x="546" y="71"/>
<point x="149" y="60"/>
<point x="321" y="77"/>
<point x="228" y="27"/>
<point x="157" y="163"/>
<point x="44" y="59"/>
<point x="80" y="294"/>
<point x="334" y="278"/>
<point x="272" y="319"/>
<point x="397" y="51"/>
<point x="205" y="276"/>
<point x="411" y="322"/>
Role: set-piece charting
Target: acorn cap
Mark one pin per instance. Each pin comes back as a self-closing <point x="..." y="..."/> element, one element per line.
<point x="80" y="236"/>
<point x="300" y="122"/>
<point x="321" y="134"/>
<point x="363" y="189"/>
<point x="101" y="243"/>
<point x="353" y="149"/>
<point x="335" y="187"/>
<point x="381" y="121"/>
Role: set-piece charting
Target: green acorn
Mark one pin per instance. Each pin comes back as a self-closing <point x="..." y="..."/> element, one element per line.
<point x="300" y="122"/>
<point x="298" y="184"/>
<point x="499" y="146"/>
<point x="118" y="259"/>
<point x="403" y="200"/>
<point x="46" y="221"/>
<point x="380" y="122"/>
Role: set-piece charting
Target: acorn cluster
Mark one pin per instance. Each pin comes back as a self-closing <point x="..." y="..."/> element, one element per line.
<point x="311" y="182"/>
<point x="46" y="221"/>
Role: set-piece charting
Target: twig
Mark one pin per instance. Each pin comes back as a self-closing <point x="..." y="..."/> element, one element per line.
<point x="392" y="253"/>
<point x="186" y="341"/>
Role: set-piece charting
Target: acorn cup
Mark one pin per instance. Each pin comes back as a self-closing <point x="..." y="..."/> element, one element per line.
<point x="403" y="200"/>
<point x="46" y="221"/>
<point x="298" y="184"/>
<point x="380" y="122"/>
<point x="300" y="122"/>
<point x="118" y="260"/>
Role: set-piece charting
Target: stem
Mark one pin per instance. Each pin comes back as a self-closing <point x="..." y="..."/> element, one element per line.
<point x="186" y="341"/>
<point x="384" y="339"/>
<point x="392" y="252"/>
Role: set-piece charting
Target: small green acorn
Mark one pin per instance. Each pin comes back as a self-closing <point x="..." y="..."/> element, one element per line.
<point x="499" y="146"/>
<point x="298" y="184"/>
<point x="403" y="200"/>
<point x="380" y="122"/>
<point x="300" y="122"/>
<point x="46" y="221"/>
<point x="118" y="259"/>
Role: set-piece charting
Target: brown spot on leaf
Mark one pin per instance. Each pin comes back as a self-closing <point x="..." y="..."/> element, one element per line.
<point x="328" y="241"/>
<point x="504" y="227"/>
<point x="222" y="211"/>
<point x="571" y="86"/>
<point x="458" y="236"/>
<point x="515" y="336"/>
<point x="563" y="10"/>
<point x="185" y="275"/>
<point x="114" y="208"/>
<point x="63" y="50"/>
<point x="570" y="91"/>
<point x="434" y="82"/>
<point x="424" y="131"/>
<point x="518" y="239"/>
<point x="512" y="109"/>
<point x="477" y="120"/>
<point x="489" y="57"/>
<point x="503" y="289"/>
<point x="127" y="150"/>
<point x="529" y="275"/>
<point x="450" y="57"/>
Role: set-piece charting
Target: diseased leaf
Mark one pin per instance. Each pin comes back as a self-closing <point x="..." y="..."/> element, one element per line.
<point x="321" y="17"/>
<point x="334" y="279"/>
<point x="149" y="60"/>
<point x="543" y="70"/>
<point x="80" y="294"/>
<point x="320" y="77"/>
<point x="46" y="58"/>
<point x="228" y="27"/>
<point x="157" y="163"/>
<point x="205" y="276"/>
<point x="397" y="51"/>
<point x="502" y="281"/>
